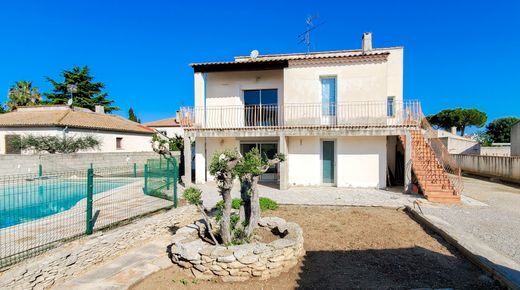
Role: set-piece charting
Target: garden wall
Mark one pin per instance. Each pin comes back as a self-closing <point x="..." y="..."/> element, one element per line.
<point x="505" y="168"/>
<point x="24" y="164"/>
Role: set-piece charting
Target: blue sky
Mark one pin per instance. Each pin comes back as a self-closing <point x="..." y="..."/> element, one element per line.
<point x="457" y="53"/>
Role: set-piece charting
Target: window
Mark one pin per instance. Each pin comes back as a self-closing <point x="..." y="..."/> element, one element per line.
<point x="261" y="107"/>
<point x="328" y="96"/>
<point x="390" y="107"/>
<point x="164" y="132"/>
<point x="119" y="142"/>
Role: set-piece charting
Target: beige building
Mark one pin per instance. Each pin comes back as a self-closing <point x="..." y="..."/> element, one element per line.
<point x="337" y="116"/>
<point x="116" y="134"/>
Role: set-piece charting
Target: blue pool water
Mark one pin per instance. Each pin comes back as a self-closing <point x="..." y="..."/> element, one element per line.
<point x="41" y="198"/>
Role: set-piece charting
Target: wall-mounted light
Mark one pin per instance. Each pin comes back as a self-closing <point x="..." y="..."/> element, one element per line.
<point x="221" y="142"/>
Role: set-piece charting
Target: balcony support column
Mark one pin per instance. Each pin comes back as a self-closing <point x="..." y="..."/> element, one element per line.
<point x="284" y="166"/>
<point x="408" y="163"/>
<point x="187" y="161"/>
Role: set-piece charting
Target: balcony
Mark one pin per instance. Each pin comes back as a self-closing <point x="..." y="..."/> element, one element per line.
<point x="353" y="114"/>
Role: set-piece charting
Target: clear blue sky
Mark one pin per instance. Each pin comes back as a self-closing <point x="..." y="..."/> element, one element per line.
<point x="457" y="53"/>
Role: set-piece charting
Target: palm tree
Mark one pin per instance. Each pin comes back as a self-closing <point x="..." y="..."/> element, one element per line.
<point x="22" y="93"/>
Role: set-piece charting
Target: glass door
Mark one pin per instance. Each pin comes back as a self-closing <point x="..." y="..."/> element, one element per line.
<point x="328" y="100"/>
<point x="267" y="150"/>
<point x="261" y="107"/>
<point x="328" y="162"/>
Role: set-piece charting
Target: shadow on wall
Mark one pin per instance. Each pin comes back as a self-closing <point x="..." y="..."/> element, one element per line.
<point x="404" y="268"/>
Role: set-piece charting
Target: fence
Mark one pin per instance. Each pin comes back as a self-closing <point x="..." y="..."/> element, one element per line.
<point x="380" y="113"/>
<point x="40" y="210"/>
<point x="501" y="167"/>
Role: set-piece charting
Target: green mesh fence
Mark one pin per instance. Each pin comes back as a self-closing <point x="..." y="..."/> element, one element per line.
<point x="161" y="178"/>
<point x="39" y="211"/>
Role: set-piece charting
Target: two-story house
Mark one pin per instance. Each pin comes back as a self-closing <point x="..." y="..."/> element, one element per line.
<point x="338" y="116"/>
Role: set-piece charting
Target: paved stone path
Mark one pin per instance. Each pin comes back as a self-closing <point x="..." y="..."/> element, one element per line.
<point x="496" y="224"/>
<point x="98" y="252"/>
<point x="320" y="195"/>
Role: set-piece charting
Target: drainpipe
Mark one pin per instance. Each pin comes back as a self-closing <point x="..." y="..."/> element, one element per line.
<point x="205" y="138"/>
<point x="64" y="131"/>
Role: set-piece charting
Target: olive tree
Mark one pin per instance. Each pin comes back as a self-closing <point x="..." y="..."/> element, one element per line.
<point x="193" y="196"/>
<point x="222" y="167"/>
<point x="249" y="169"/>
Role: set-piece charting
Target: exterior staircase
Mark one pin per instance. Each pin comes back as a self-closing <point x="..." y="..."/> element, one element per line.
<point x="438" y="179"/>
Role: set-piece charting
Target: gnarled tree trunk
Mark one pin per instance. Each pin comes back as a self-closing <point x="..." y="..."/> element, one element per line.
<point x="254" y="215"/>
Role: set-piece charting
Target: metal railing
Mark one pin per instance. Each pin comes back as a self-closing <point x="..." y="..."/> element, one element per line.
<point x="373" y="113"/>
<point x="445" y="159"/>
<point x="38" y="211"/>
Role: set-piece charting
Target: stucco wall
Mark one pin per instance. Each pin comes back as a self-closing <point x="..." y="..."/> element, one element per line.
<point x="495" y="151"/>
<point x="22" y="164"/>
<point x="460" y="145"/>
<point x="360" y="161"/>
<point x="506" y="168"/>
<point x="132" y="142"/>
<point x="515" y="139"/>
<point x="171" y="131"/>
<point x="212" y="145"/>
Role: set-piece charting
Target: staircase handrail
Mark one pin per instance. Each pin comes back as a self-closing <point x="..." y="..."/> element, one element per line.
<point x="443" y="156"/>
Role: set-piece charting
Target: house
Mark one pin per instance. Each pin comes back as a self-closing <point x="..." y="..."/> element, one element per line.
<point x="515" y="139"/>
<point x="116" y="134"/>
<point x="169" y="127"/>
<point x="456" y="144"/>
<point x="338" y="116"/>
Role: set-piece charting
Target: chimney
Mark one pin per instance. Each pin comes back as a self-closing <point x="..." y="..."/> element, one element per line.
<point x="178" y="117"/>
<point x="454" y="130"/>
<point x="100" y="109"/>
<point x="367" y="42"/>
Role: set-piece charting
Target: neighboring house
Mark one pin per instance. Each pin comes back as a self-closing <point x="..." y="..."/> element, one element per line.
<point x="116" y="134"/>
<point x="456" y="144"/>
<point x="515" y="139"/>
<point x="168" y="127"/>
<point x="337" y="116"/>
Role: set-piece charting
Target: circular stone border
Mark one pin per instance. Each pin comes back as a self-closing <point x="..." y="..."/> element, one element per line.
<point x="240" y="262"/>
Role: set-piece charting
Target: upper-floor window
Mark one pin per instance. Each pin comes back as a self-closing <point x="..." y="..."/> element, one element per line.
<point x="328" y="95"/>
<point x="390" y="107"/>
<point x="119" y="142"/>
<point x="261" y="107"/>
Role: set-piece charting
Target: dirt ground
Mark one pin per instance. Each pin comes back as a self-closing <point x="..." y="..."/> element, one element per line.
<point x="366" y="248"/>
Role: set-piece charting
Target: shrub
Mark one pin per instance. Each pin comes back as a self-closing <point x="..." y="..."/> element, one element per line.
<point x="192" y="195"/>
<point x="235" y="204"/>
<point x="267" y="203"/>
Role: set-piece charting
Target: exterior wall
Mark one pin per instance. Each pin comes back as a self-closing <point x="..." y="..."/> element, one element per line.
<point x="355" y="82"/>
<point x="24" y="164"/>
<point x="211" y="145"/>
<point x="170" y="131"/>
<point x="132" y="142"/>
<point x="506" y="168"/>
<point x="360" y="161"/>
<point x="515" y="139"/>
<point x="495" y="151"/>
<point x="460" y="145"/>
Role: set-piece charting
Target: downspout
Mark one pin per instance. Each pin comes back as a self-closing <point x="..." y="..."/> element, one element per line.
<point x="64" y="131"/>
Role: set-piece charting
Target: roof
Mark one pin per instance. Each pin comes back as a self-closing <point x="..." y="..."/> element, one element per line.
<point x="169" y="122"/>
<point x="63" y="116"/>
<point x="273" y="61"/>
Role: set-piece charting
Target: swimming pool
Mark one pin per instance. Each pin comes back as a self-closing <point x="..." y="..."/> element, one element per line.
<point x="40" y="198"/>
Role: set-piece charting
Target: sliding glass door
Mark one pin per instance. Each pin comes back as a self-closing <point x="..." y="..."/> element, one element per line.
<point x="267" y="150"/>
<point x="261" y="107"/>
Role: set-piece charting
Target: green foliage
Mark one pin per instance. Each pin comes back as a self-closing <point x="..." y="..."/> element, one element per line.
<point x="2" y="109"/>
<point x="22" y="93"/>
<point x="499" y="131"/>
<point x="484" y="139"/>
<point x="268" y="204"/>
<point x="132" y="116"/>
<point x="252" y="163"/>
<point x="55" y="144"/>
<point x="88" y="93"/>
<point x="235" y="204"/>
<point x="193" y="195"/>
<point x="220" y="163"/>
<point x="460" y="118"/>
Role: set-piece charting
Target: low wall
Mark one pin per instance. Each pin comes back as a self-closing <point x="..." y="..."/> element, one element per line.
<point x="505" y="168"/>
<point x="24" y="164"/>
<point x="496" y="151"/>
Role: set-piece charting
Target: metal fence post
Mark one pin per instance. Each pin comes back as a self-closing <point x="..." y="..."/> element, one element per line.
<point x="40" y="170"/>
<point x="135" y="169"/>
<point x="167" y="174"/>
<point x="90" y="192"/>
<point x="175" y="175"/>
<point x="145" y="188"/>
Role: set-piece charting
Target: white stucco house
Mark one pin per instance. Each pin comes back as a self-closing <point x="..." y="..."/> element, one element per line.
<point x="115" y="133"/>
<point x="169" y="127"/>
<point x="338" y="116"/>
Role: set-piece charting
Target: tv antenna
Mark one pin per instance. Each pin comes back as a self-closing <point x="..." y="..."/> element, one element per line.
<point x="305" y="37"/>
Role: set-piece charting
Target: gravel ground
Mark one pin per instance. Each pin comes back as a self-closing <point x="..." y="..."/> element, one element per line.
<point x="497" y="224"/>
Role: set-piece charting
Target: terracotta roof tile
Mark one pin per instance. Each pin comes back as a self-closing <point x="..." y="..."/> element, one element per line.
<point x="72" y="119"/>
<point x="169" y="122"/>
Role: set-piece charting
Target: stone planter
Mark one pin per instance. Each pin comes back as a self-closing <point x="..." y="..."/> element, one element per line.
<point x="241" y="262"/>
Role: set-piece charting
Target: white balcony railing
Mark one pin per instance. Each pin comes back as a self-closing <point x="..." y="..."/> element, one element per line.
<point x="303" y="115"/>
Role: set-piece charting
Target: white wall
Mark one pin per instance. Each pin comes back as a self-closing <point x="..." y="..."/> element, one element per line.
<point x="171" y="131"/>
<point x="207" y="148"/>
<point x="505" y="168"/>
<point x="515" y="139"/>
<point x="360" y="161"/>
<point x="132" y="142"/>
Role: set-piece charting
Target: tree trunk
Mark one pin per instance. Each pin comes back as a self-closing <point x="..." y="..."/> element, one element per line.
<point x="245" y="206"/>
<point x="208" y="223"/>
<point x="255" y="207"/>
<point x="225" y="222"/>
<point x="462" y="131"/>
